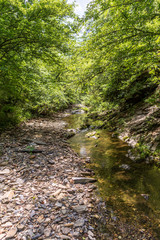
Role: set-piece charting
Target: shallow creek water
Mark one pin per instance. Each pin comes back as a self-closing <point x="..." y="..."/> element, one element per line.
<point x="133" y="189"/>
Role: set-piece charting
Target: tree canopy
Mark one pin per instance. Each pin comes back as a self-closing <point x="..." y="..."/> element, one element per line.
<point x="121" y="49"/>
<point x="35" y="38"/>
<point x="46" y="63"/>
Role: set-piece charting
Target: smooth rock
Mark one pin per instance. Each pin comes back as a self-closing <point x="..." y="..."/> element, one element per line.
<point x="83" y="180"/>
<point x="2" y="236"/>
<point x="21" y="227"/>
<point x="9" y="195"/>
<point x="47" y="220"/>
<point x="19" y="181"/>
<point x="76" y="234"/>
<point x="65" y="237"/>
<point x="2" y="164"/>
<point x="32" y="214"/>
<point x="90" y="233"/>
<point x="47" y="232"/>
<point x="40" y="219"/>
<point x="65" y="230"/>
<point x="79" y="223"/>
<point x="4" y="219"/>
<point x="58" y="204"/>
<point x="7" y="224"/>
<point x="11" y="233"/>
<point x="5" y="172"/>
<point x="71" y="191"/>
<point x="68" y="225"/>
<point x="57" y="192"/>
<point x="80" y="208"/>
<point x="57" y="220"/>
<point x="2" y="179"/>
<point x="64" y="210"/>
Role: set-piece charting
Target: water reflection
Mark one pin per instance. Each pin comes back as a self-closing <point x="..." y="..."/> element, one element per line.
<point x="131" y="187"/>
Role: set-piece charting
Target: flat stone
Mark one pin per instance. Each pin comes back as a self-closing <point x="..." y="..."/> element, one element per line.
<point x="79" y="223"/>
<point x="9" y="195"/>
<point x="5" y="172"/>
<point x="11" y="233"/>
<point x="28" y="207"/>
<point x="65" y="237"/>
<point x="57" y="220"/>
<point x="21" y="227"/>
<point x="7" y="224"/>
<point x="76" y="234"/>
<point x="2" y="236"/>
<point x="58" y="204"/>
<point x="83" y="180"/>
<point x="68" y="225"/>
<point x="40" y="219"/>
<point x="2" y="179"/>
<point x="30" y="234"/>
<point x="47" y="220"/>
<point x="47" y="232"/>
<point x="51" y="161"/>
<point x="19" y="181"/>
<point x="90" y="233"/>
<point x="2" y="164"/>
<point x="4" y="219"/>
<point x="64" y="210"/>
<point x="71" y="191"/>
<point x="80" y="208"/>
<point x="55" y="194"/>
<point x="65" y="230"/>
<point x="32" y="214"/>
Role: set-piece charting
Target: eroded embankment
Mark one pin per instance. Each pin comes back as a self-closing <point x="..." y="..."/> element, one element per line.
<point x="139" y="126"/>
<point x="39" y="198"/>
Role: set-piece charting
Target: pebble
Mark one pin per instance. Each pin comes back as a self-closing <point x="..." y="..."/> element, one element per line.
<point x="19" y="181"/>
<point x="9" y="195"/>
<point x="47" y="232"/>
<point x="65" y="230"/>
<point x="2" y="236"/>
<point x="90" y="233"/>
<point x="58" y="204"/>
<point x="6" y="225"/>
<point x="68" y="225"/>
<point x="32" y="214"/>
<point x="21" y="227"/>
<point x="65" y="237"/>
<point x="11" y="233"/>
<point x="4" y="220"/>
<point x="80" y="208"/>
<point x="64" y="210"/>
<point x="79" y="223"/>
<point x="5" y="172"/>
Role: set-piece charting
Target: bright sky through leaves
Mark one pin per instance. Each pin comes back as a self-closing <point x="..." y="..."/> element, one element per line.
<point x="81" y="6"/>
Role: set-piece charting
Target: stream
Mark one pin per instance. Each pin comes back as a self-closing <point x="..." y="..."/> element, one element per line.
<point x="132" y="189"/>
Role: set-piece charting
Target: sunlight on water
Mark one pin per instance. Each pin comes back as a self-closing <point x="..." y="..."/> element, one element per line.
<point x="132" y="188"/>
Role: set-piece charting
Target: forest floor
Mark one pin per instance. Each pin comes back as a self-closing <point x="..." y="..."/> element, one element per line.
<point x="39" y="197"/>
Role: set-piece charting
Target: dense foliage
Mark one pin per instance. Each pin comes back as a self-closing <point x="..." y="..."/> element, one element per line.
<point x="35" y="41"/>
<point x="120" y="49"/>
<point x="45" y="65"/>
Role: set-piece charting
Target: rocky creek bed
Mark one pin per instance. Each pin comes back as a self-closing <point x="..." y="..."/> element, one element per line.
<point x="41" y="196"/>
